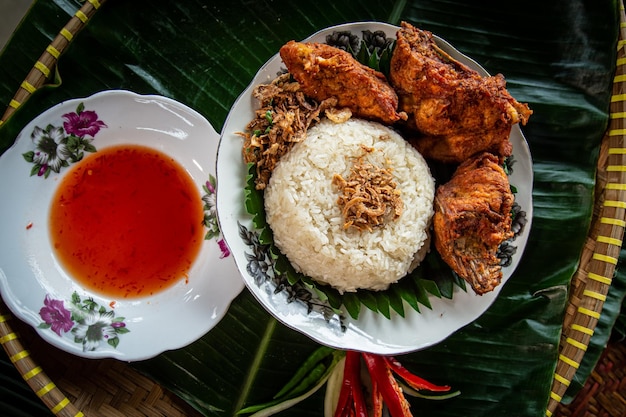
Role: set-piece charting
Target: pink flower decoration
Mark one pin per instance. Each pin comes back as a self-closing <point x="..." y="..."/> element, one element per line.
<point x="42" y="170"/>
<point x="223" y="248"/>
<point x="210" y="187"/>
<point x="56" y="315"/>
<point x="83" y="123"/>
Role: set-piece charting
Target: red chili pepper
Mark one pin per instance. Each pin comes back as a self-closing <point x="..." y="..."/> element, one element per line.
<point x="413" y="380"/>
<point x="345" y="395"/>
<point x="351" y="400"/>
<point x="353" y="365"/>
<point x="389" y="389"/>
<point x="377" y="400"/>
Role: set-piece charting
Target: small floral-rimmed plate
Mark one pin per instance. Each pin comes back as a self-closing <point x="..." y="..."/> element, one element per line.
<point x="371" y="331"/>
<point x="40" y="292"/>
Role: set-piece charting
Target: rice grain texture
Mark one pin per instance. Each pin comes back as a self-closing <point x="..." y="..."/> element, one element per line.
<point x="306" y="220"/>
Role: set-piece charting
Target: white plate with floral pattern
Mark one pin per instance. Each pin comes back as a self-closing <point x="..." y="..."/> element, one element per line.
<point x="302" y="309"/>
<point x="40" y="292"/>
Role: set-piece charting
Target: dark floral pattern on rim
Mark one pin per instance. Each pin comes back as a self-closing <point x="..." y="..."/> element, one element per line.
<point x="90" y="323"/>
<point x="57" y="147"/>
<point x="262" y="268"/>
<point x="210" y="216"/>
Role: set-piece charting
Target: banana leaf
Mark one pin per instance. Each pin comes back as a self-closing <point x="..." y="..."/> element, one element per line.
<point x="557" y="56"/>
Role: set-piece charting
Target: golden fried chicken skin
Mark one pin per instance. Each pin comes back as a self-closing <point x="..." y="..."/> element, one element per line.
<point x="472" y="218"/>
<point x="324" y="71"/>
<point x="455" y="111"/>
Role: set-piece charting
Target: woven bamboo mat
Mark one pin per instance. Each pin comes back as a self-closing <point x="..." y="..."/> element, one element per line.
<point x="600" y="255"/>
<point x="604" y="393"/>
<point x="73" y="386"/>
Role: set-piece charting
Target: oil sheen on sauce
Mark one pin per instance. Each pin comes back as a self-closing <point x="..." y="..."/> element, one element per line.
<point x="127" y="222"/>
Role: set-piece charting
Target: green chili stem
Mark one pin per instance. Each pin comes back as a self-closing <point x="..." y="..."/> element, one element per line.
<point x="278" y="406"/>
<point x="311" y="379"/>
<point x="309" y="364"/>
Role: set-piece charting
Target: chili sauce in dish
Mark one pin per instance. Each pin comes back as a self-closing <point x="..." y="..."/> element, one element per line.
<point x="127" y="221"/>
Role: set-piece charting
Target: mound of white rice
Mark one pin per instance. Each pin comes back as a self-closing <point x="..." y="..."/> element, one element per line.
<point x="303" y="213"/>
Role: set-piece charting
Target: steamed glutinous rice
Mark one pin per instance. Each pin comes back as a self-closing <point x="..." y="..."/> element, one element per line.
<point x="301" y="203"/>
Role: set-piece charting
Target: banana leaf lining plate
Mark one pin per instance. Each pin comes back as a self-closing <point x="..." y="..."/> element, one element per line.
<point x="371" y="331"/>
<point x="40" y="292"/>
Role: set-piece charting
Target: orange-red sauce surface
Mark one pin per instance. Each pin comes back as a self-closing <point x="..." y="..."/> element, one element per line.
<point x="127" y="221"/>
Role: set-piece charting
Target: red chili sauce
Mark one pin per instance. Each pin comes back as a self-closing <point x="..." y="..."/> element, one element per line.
<point x="127" y="221"/>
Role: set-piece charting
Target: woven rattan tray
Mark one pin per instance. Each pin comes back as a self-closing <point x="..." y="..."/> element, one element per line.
<point x="115" y="389"/>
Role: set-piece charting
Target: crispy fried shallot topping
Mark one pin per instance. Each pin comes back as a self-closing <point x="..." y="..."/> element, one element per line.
<point x="282" y="120"/>
<point x="369" y="197"/>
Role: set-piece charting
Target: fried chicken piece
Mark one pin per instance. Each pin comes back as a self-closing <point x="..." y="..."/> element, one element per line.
<point x="456" y="111"/>
<point x="472" y="218"/>
<point x="325" y="71"/>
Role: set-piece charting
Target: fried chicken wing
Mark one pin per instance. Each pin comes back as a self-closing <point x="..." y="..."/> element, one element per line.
<point x="325" y="71"/>
<point x="472" y="218"/>
<point x="456" y="111"/>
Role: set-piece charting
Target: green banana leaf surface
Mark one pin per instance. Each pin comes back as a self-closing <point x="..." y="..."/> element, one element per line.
<point x="557" y="56"/>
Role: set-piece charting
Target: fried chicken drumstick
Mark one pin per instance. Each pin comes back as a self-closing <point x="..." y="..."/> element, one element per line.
<point x="324" y="71"/>
<point x="472" y="218"/>
<point x="456" y="111"/>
